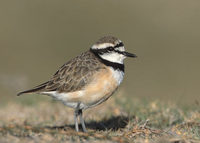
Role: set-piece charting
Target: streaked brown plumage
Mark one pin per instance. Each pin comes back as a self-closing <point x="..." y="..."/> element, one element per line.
<point x="88" y="79"/>
<point x="72" y="76"/>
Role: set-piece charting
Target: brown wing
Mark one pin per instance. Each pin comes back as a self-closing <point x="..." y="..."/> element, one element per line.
<point x="72" y="76"/>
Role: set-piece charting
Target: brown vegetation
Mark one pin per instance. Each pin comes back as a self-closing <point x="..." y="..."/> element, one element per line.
<point x="110" y="122"/>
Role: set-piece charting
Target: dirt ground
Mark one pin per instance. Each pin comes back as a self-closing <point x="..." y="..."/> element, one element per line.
<point x="113" y="121"/>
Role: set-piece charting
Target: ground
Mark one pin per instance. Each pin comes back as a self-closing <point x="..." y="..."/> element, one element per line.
<point x="32" y="119"/>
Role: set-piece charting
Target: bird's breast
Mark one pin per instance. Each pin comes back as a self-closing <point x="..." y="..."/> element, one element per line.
<point x="102" y="86"/>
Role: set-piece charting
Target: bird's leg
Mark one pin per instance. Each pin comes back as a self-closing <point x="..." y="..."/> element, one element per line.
<point x="76" y="119"/>
<point x="82" y="120"/>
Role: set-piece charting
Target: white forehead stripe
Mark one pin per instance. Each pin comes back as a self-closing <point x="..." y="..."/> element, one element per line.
<point x="102" y="46"/>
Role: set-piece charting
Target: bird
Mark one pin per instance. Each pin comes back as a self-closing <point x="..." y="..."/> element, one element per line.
<point x="88" y="79"/>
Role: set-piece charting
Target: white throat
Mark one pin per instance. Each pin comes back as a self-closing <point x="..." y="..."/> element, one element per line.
<point x="118" y="75"/>
<point x="113" y="57"/>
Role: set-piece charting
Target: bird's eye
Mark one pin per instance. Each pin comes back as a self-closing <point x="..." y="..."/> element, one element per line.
<point x="110" y="48"/>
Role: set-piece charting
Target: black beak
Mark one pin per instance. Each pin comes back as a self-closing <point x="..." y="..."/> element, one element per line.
<point x="129" y="55"/>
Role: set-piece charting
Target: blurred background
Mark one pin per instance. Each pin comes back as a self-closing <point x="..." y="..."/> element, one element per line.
<point x="37" y="37"/>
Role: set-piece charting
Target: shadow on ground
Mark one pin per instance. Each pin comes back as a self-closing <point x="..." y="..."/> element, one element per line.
<point x="113" y="123"/>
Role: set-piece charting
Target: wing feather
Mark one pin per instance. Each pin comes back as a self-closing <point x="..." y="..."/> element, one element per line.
<point x="72" y="76"/>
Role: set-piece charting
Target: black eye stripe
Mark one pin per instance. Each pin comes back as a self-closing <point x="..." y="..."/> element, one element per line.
<point x="103" y="51"/>
<point x="119" y="45"/>
<point x="112" y="48"/>
<point x="109" y="49"/>
<point x="119" y="52"/>
<point x="100" y="51"/>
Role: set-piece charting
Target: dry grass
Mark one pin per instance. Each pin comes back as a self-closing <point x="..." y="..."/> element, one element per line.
<point x="113" y="121"/>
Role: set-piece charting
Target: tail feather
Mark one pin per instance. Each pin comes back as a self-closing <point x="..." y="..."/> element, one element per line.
<point x="34" y="90"/>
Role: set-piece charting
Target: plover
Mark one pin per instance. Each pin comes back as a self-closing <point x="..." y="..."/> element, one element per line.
<point x="88" y="79"/>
